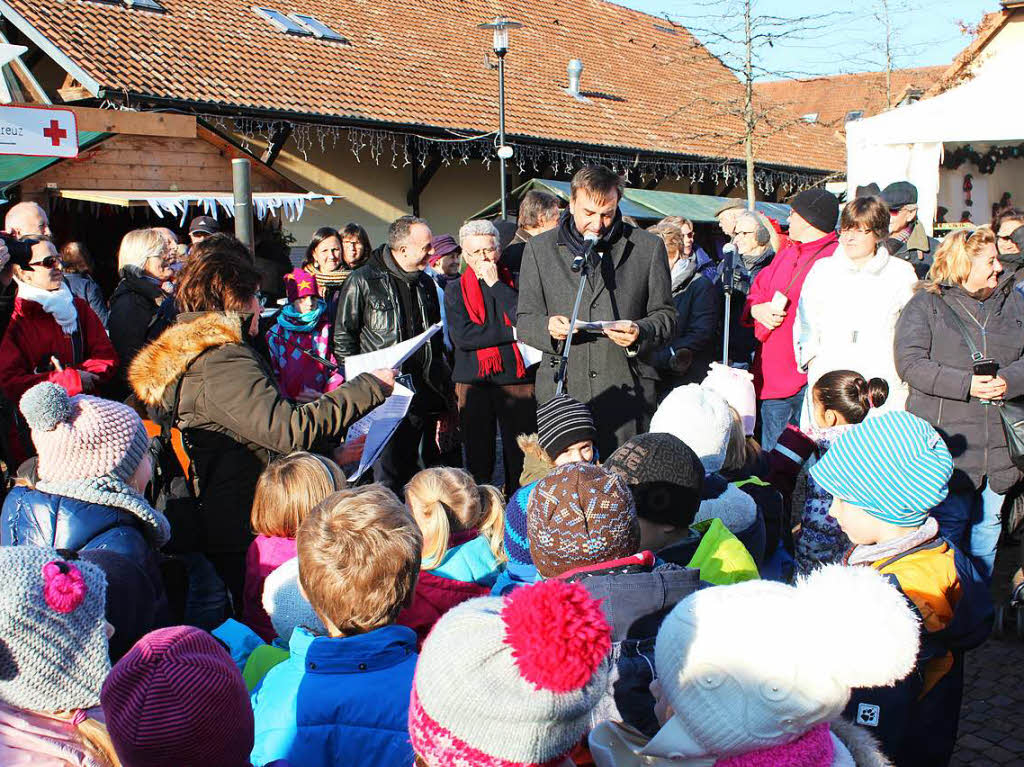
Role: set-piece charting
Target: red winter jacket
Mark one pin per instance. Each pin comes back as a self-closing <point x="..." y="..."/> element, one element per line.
<point x="34" y="336"/>
<point x="776" y="375"/>
<point x="434" y="596"/>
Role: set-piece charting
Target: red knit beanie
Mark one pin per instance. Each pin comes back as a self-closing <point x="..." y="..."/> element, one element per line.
<point x="178" y="699"/>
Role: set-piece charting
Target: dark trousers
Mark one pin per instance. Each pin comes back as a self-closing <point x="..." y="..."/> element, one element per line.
<point x="484" y="408"/>
<point x="412" y="447"/>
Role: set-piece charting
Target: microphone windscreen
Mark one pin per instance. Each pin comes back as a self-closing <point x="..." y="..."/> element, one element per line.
<point x="591" y="237"/>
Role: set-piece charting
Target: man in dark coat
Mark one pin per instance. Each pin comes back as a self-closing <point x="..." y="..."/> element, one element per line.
<point x="538" y="213"/>
<point x="384" y="302"/>
<point x="628" y="282"/>
<point x="907" y="237"/>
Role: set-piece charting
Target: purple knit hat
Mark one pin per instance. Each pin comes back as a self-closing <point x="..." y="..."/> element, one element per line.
<point x="178" y="699"/>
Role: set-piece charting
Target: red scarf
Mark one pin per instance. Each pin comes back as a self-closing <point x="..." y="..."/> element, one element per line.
<point x="489" y="359"/>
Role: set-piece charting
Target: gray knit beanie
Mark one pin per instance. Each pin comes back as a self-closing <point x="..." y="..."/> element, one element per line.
<point x="285" y="604"/>
<point x="510" y="680"/>
<point x="53" y="639"/>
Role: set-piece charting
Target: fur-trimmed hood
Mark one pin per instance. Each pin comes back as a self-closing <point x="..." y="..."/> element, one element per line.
<point x="537" y="464"/>
<point x="162" y="362"/>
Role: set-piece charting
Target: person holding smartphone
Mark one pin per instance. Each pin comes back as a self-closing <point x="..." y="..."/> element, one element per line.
<point x="960" y="395"/>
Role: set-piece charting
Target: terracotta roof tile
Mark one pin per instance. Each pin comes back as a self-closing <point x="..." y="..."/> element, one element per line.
<point x="422" y="63"/>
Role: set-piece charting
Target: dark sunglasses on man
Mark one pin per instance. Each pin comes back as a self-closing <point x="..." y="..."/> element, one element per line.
<point x="50" y="262"/>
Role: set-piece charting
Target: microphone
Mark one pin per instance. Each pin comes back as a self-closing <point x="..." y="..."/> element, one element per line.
<point x="728" y="262"/>
<point x="591" y="240"/>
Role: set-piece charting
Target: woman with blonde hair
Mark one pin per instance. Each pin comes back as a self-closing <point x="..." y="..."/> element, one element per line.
<point x="957" y="385"/>
<point x="463" y="526"/>
<point x="144" y="263"/>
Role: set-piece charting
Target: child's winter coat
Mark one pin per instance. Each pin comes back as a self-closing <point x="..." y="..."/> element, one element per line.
<point x="468" y="570"/>
<point x="293" y="334"/>
<point x="338" y="701"/>
<point x="821" y="541"/>
<point x="917" y="720"/>
<point x="50" y="740"/>
<point x="266" y="553"/>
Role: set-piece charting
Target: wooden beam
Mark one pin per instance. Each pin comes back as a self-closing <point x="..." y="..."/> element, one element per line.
<point x="72" y="90"/>
<point x="654" y="181"/>
<point x="421" y="176"/>
<point x="231" y="151"/>
<point x="277" y="142"/>
<point x="135" y="123"/>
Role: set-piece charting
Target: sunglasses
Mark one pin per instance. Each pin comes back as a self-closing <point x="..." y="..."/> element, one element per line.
<point x="50" y="262"/>
<point x="895" y="211"/>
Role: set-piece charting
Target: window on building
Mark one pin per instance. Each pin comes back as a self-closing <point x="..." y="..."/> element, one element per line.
<point x="282" y="22"/>
<point x="810" y="117"/>
<point x="149" y="5"/>
<point x="317" y="27"/>
<point x="854" y="114"/>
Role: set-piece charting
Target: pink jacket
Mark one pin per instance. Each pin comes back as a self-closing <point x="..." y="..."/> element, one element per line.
<point x="265" y="555"/>
<point x="776" y="375"/>
<point x="40" y="740"/>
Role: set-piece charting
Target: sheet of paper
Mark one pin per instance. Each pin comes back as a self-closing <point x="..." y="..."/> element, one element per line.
<point x="391" y="357"/>
<point x="531" y="356"/>
<point x="599" y="325"/>
<point x="377" y="426"/>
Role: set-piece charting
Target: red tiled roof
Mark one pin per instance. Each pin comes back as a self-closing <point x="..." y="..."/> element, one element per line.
<point x="422" y="63"/>
<point x="831" y="98"/>
<point x="989" y="26"/>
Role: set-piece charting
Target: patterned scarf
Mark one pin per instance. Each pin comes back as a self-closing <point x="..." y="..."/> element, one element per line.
<point x="488" y="360"/>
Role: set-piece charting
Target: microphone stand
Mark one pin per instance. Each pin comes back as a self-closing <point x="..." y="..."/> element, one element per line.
<point x="584" y="270"/>
<point x="728" y="254"/>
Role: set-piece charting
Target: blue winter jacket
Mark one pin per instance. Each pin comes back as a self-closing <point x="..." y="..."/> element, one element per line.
<point x="33" y="518"/>
<point x="338" y="701"/>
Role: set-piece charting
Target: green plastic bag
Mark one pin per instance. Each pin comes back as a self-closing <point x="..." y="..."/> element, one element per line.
<point x="720" y="557"/>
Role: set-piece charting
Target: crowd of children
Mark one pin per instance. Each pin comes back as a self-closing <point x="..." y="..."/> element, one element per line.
<point x="629" y="613"/>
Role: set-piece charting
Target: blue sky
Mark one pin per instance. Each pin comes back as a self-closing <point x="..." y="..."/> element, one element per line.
<point x="927" y="32"/>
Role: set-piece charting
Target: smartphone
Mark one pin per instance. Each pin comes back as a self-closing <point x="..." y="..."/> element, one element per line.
<point x="986" y="367"/>
<point x="779" y="301"/>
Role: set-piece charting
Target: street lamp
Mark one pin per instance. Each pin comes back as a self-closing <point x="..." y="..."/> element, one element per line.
<point x="500" y="27"/>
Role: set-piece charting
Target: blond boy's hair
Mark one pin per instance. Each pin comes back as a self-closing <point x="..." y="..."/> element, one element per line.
<point x="288" y="488"/>
<point x="359" y="555"/>
<point x="449" y="500"/>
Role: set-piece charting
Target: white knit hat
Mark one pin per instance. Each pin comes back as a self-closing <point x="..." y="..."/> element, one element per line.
<point x="737" y="387"/>
<point x="733" y="691"/>
<point x="701" y="419"/>
<point x="284" y="602"/>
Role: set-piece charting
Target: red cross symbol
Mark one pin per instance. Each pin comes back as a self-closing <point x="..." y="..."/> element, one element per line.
<point x="55" y="133"/>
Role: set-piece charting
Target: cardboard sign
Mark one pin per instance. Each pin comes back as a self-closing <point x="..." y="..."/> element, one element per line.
<point x="38" y="132"/>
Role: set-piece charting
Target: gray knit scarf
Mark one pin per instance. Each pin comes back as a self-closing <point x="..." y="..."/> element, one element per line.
<point x="111" y="491"/>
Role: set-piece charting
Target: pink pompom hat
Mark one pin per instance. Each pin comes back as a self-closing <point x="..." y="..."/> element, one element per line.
<point x="510" y="682"/>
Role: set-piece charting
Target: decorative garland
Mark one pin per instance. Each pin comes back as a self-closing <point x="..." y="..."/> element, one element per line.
<point x="987" y="162"/>
<point x="399" y="150"/>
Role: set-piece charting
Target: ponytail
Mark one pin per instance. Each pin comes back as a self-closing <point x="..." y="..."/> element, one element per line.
<point x="96" y="741"/>
<point x="492" y="526"/>
<point x="436" y="527"/>
<point x="850" y="395"/>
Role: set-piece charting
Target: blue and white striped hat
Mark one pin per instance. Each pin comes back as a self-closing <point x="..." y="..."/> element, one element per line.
<point x="894" y="466"/>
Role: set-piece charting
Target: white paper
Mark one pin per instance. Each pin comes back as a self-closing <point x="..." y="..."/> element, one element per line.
<point x="391" y="357"/>
<point x="531" y="356"/>
<point x="599" y="325"/>
<point x="379" y="425"/>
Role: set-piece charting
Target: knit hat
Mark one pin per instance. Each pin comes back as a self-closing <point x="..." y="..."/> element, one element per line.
<point x="82" y="437"/>
<point x="132" y="606"/>
<point x="895" y="466"/>
<point x="818" y="207"/>
<point x="737" y="388"/>
<point x="53" y="636"/>
<point x="539" y="654"/>
<point x="178" y="699"/>
<point x="299" y="283"/>
<point x="562" y="422"/>
<point x="664" y="475"/>
<point x="838" y="629"/>
<point x="723" y="500"/>
<point x="287" y="607"/>
<point x="730" y="204"/>
<point x="700" y="418"/>
<point x="443" y="244"/>
<point x="517" y="541"/>
<point x="578" y="515"/>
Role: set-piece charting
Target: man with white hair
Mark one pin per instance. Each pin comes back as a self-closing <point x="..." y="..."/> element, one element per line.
<point x="493" y="387"/>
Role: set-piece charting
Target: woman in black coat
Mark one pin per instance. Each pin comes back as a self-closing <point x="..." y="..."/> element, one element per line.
<point x="493" y="386"/>
<point x="686" y="357"/>
<point x="144" y="263"/>
<point x="959" y="401"/>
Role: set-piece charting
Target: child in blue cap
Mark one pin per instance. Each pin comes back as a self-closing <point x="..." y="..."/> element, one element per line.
<point x="885" y="475"/>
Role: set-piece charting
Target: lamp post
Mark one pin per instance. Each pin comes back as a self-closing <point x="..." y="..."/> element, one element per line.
<point x="500" y="27"/>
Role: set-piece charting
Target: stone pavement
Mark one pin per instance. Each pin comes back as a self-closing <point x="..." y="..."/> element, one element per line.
<point x="992" y="716"/>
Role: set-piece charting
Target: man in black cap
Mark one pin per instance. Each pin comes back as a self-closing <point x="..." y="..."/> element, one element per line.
<point x="907" y="237"/>
<point x="202" y="227"/>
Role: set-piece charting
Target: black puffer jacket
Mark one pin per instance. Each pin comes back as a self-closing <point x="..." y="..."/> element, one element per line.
<point x="133" y="318"/>
<point x="369" y="318"/>
<point x="933" y="358"/>
<point x="696" y="330"/>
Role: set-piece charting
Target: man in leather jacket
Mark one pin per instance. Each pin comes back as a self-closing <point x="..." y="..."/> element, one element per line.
<point x="388" y="300"/>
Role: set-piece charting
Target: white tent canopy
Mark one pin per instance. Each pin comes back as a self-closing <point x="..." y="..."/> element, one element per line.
<point x="906" y="143"/>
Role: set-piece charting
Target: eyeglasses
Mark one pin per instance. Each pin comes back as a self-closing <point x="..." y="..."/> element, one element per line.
<point x="688" y="235"/>
<point x="895" y="211"/>
<point x="738" y="232"/>
<point x="50" y="262"/>
<point x="484" y="252"/>
<point x="261" y="298"/>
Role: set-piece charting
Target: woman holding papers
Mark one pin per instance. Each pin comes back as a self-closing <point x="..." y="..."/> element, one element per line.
<point x="222" y="395"/>
<point x="493" y="385"/>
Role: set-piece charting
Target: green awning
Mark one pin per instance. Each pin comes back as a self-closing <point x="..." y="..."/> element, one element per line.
<point x="644" y="204"/>
<point x="15" y="168"/>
